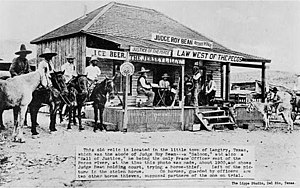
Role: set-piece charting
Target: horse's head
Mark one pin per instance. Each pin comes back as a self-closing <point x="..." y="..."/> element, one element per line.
<point x="82" y="84"/>
<point x="58" y="81"/>
<point x="109" y="86"/>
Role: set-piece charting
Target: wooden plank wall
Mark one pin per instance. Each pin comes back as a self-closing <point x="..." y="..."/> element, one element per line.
<point x="73" y="45"/>
<point x="214" y="68"/>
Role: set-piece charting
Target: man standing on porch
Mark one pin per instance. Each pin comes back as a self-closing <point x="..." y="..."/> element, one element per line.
<point x="144" y="87"/>
<point x="196" y="78"/>
<point x="210" y="89"/>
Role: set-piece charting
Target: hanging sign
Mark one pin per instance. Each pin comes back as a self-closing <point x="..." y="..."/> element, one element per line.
<point x="151" y="51"/>
<point x="156" y="59"/>
<point x="106" y="54"/>
<point x="181" y="41"/>
<point x="127" y="69"/>
<point x="203" y="55"/>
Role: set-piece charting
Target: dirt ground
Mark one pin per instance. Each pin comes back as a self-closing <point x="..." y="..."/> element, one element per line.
<point x="49" y="161"/>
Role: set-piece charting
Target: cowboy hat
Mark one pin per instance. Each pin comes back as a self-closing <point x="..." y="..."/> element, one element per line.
<point x="23" y="50"/>
<point x="48" y="52"/>
<point x="275" y="89"/>
<point x="143" y="70"/>
<point x="94" y="58"/>
<point x="165" y="76"/>
<point x="69" y="56"/>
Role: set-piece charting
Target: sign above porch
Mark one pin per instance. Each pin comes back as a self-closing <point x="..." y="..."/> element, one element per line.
<point x="156" y="59"/>
<point x="150" y="51"/>
<point x="106" y="54"/>
<point x="181" y="41"/>
<point x="203" y="55"/>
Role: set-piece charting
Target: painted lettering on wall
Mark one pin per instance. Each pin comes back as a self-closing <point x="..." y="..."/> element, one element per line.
<point x="182" y="41"/>
<point x="106" y="54"/>
<point x="203" y="55"/>
<point x="150" y="51"/>
<point x="156" y="59"/>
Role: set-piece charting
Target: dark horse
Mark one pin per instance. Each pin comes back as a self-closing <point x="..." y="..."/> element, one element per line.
<point x="52" y="96"/>
<point x="98" y="96"/>
<point x="78" y="94"/>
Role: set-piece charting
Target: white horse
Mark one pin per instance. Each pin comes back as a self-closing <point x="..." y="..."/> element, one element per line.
<point x="16" y="93"/>
<point x="284" y="109"/>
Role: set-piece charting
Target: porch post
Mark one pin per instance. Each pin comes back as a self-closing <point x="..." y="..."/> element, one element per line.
<point x="227" y="87"/>
<point x="222" y="80"/>
<point x="182" y="97"/>
<point x="263" y="81"/>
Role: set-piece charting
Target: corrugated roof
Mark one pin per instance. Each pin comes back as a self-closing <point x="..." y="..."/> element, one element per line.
<point x="130" y="24"/>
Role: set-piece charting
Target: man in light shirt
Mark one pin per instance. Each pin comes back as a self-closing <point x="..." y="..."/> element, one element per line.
<point x="93" y="71"/>
<point x="211" y="89"/>
<point x="46" y="65"/>
<point x="144" y="87"/>
<point x="69" y="68"/>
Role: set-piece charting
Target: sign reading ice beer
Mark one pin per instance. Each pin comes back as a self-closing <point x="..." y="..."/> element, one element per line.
<point x="203" y="55"/>
<point x="182" y="41"/>
<point x="106" y="54"/>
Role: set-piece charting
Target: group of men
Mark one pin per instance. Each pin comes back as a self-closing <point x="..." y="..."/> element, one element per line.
<point x="192" y="90"/>
<point x="20" y="65"/>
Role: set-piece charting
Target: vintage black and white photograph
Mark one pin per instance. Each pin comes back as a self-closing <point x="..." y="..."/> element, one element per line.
<point x="149" y="93"/>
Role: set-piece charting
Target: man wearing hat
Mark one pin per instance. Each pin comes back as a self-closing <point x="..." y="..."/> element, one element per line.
<point x="197" y="79"/>
<point x="20" y="64"/>
<point x="69" y="68"/>
<point x="211" y="89"/>
<point x="164" y="83"/>
<point x="46" y="65"/>
<point x="144" y="87"/>
<point x="188" y="87"/>
<point x="275" y="100"/>
<point x="93" y="71"/>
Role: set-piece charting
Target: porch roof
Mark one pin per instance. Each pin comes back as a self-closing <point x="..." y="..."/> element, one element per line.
<point x="126" y="42"/>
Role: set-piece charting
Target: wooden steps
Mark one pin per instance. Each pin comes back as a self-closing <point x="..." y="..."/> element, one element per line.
<point x="214" y="120"/>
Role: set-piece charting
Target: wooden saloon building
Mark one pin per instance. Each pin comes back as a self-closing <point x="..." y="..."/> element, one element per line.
<point x="147" y="38"/>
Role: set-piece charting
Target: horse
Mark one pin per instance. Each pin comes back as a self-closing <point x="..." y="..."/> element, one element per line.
<point x="284" y="109"/>
<point x="78" y="94"/>
<point x="52" y="96"/>
<point x="99" y="99"/>
<point x="16" y="93"/>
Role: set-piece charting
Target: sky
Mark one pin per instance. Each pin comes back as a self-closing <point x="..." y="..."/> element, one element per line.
<point x="268" y="29"/>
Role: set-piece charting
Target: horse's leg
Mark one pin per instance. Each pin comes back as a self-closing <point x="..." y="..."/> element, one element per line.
<point x="15" y="114"/>
<point x="74" y="115"/>
<point x="266" y="121"/>
<point x="2" y="127"/>
<point x="21" y="117"/>
<point x="52" y="117"/>
<point x="102" y="126"/>
<point x="95" y="117"/>
<point x="55" y="109"/>
<point x="33" y="115"/>
<point x="25" y="120"/>
<point x="70" y="116"/>
<point x="79" y="117"/>
<point x="61" y="107"/>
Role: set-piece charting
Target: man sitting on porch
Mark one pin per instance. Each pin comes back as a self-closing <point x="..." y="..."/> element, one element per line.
<point x="210" y="89"/>
<point x="144" y="87"/>
<point x="164" y="84"/>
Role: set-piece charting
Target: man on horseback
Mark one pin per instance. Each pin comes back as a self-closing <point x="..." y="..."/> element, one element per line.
<point x="93" y="72"/>
<point x="20" y="64"/>
<point x="275" y="100"/>
<point x="69" y="68"/>
<point x="47" y="65"/>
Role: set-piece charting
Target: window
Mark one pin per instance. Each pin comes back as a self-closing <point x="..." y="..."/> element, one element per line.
<point x="120" y="80"/>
